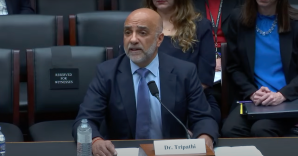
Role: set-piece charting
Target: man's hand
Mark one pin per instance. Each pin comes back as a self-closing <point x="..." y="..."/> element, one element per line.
<point x="274" y="99"/>
<point x="208" y="140"/>
<point x="218" y="65"/>
<point x="260" y="95"/>
<point x="103" y="148"/>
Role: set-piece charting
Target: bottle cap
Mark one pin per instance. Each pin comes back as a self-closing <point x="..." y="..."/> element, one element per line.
<point x="84" y="121"/>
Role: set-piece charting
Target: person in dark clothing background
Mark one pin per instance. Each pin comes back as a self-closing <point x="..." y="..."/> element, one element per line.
<point x="9" y="7"/>
<point x="218" y="12"/>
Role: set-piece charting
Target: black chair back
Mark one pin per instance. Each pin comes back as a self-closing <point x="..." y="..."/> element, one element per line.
<point x="229" y="89"/>
<point x="30" y="31"/>
<point x="104" y="29"/>
<point x="43" y="98"/>
<point x="66" y="8"/>
<point x="126" y="5"/>
<point x="9" y="86"/>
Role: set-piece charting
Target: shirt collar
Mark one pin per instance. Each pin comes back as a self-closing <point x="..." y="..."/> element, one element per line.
<point x="152" y="67"/>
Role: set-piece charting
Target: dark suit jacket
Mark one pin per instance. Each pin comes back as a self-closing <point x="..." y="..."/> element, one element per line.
<point x="111" y="97"/>
<point x="203" y="57"/>
<point x="241" y="57"/>
<point x="19" y="7"/>
<point x="228" y="6"/>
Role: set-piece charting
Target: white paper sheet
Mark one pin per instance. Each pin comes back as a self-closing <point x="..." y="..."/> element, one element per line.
<point x="127" y="151"/>
<point x="217" y="76"/>
<point x="237" y="151"/>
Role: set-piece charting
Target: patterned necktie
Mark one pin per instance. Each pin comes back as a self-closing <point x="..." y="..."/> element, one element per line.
<point x="143" y="107"/>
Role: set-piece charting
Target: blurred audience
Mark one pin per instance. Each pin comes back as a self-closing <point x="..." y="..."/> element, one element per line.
<point x="262" y="61"/>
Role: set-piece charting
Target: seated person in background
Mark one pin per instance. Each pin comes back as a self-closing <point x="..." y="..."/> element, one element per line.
<point x="263" y="62"/>
<point x="120" y="95"/>
<point x="8" y="7"/>
<point x="188" y="36"/>
<point x="212" y="9"/>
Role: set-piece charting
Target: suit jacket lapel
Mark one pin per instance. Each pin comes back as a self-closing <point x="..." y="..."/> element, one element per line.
<point x="286" y="43"/>
<point x="168" y="91"/>
<point x="9" y="6"/>
<point x="126" y="87"/>
<point x="250" y="44"/>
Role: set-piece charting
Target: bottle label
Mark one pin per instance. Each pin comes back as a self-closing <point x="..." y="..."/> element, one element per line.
<point x="2" y="147"/>
<point x="79" y="147"/>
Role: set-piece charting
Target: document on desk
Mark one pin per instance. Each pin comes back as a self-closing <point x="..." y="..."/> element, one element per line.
<point x="237" y="151"/>
<point x="127" y="151"/>
<point x="217" y="76"/>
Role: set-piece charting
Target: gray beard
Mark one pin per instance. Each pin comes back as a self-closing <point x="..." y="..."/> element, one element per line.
<point x="147" y="54"/>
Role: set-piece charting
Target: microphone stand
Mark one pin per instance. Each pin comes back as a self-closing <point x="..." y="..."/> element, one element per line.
<point x="187" y="134"/>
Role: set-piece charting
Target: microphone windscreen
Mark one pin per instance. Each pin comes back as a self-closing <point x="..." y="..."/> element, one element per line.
<point x="153" y="88"/>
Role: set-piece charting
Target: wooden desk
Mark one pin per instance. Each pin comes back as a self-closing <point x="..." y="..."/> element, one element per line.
<point x="268" y="146"/>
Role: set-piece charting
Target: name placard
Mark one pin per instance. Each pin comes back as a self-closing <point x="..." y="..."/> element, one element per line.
<point x="64" y="78"/>
<point x="180" y="147"/>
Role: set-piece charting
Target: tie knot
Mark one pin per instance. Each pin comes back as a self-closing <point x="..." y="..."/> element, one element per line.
<point x="143" y="72"/>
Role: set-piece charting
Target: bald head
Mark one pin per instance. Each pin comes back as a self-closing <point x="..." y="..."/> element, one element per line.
<point x="142" y="36"/>
<point x="148" y="15"/>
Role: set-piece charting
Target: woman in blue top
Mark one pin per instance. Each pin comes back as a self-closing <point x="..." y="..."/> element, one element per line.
<point x="262" y="62"/>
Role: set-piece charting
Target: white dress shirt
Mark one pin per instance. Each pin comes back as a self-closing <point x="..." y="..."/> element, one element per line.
<point x="3" y="8"/>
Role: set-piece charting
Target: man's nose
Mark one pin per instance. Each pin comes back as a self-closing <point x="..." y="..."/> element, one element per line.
<point x="134" y="39"/>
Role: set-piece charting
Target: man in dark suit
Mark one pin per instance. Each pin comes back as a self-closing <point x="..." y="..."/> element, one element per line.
<point x="8" y="7"/>
<point x="120" y="95"/>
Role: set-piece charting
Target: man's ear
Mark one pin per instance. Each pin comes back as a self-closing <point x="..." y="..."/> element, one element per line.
<point x="160" y="39"/>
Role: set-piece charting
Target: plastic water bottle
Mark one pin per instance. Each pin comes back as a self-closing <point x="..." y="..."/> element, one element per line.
<point x="2" y="144"/>
<point x="84" y="135"/>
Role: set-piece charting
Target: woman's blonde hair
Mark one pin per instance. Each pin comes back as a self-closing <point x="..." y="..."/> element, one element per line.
<point x="183" y="19"/>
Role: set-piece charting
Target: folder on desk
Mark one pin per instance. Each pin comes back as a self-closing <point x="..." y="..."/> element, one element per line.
<point x="283" y="110"/>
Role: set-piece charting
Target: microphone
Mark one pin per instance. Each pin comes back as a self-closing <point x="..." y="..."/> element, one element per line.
<point x="154" y="91"/>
